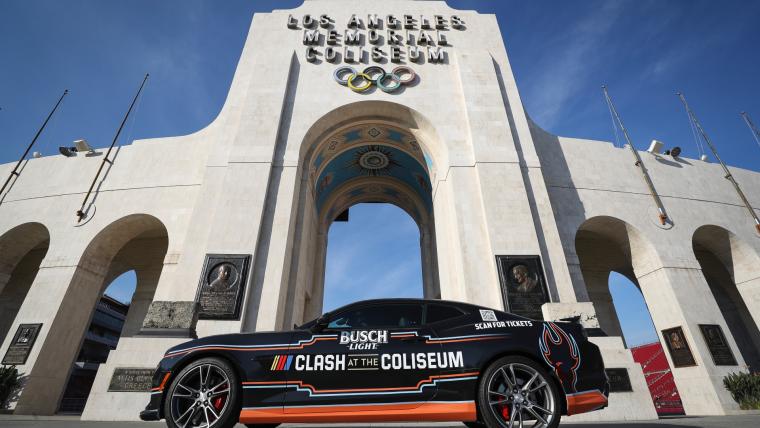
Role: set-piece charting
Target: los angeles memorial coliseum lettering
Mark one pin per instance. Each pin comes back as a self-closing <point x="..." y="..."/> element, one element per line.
<point x="406" y="38"/>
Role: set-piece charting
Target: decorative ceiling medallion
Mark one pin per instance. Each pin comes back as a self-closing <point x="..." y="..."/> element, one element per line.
<point x="373" y="160"/>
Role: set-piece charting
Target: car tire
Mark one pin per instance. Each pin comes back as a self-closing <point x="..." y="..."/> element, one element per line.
<point x="506" y="393"/>
<point x="207" y="389"/>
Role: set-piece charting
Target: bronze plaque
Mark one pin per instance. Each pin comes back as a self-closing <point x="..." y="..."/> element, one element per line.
<point x="678" y="347"/>
<point x="619" y="380"/>
<point x="221" y="287"/>
<point x="717" y="344"/>
<point x="22" y="344"/>
<point x="131" y="379"/>
<point x="522" y="285"/>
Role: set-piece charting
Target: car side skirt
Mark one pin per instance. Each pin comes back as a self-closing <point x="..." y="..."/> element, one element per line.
<point x="381" y="412"/>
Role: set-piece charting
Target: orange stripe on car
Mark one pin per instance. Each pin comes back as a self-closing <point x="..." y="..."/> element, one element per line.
<point x="432" y="411"/>
<point x="163" y="383"/>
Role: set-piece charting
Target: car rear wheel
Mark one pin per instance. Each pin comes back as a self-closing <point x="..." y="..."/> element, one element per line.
<point x="517" y="392"/>
<point x="205" y="394"/>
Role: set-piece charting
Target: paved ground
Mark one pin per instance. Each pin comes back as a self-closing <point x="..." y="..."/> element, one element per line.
<point x="749" y="421"/>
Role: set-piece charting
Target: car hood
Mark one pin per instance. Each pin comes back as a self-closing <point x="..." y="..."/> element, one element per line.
<point x="258" y="338"/>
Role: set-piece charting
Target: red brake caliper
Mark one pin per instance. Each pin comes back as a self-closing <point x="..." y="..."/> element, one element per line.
<point x="505" y="412"/>
<point x="218" y="402"/>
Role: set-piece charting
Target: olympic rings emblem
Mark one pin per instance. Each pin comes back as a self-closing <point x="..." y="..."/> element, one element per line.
<point x="374" y="75"/>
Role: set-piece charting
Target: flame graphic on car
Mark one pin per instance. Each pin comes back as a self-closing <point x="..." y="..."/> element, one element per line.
<point x="560" y="351"/>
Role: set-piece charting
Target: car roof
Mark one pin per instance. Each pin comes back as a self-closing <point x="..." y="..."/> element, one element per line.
<point x="461" y="305"/>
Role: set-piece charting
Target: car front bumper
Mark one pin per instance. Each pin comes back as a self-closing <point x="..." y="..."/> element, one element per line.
<point x="150" y="415"/>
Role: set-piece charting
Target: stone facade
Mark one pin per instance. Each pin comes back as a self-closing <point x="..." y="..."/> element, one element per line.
<point x="493" y="183"/>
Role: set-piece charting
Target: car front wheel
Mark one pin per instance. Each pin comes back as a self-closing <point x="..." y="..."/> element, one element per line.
<point x="204" y="394"/>
<point x="517" y="392"/>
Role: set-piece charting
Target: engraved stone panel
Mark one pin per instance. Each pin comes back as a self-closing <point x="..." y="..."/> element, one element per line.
<point x="619" y="380"/>
<point x="22" y="344"/>
<point x="717" y="344"/>
<point x="131" y="379"/>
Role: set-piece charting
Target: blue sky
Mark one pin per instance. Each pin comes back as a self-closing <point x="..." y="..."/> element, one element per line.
<point x="560" y="51"/>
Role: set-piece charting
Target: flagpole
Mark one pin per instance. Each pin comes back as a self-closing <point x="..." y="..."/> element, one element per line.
<point x="34" y="140"/>
<point x="729" y="176"/>
<point x="80" y="211"/>
<point x="639" y="163"/>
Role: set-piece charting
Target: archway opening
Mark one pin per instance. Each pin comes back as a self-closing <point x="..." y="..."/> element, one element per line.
<point x="611" y="253"/>
<point x="632" y="312"/>
<point x="136" y="242"/>
<point x="102" y="336"/>
<point x="373" y="253"/>
<point x="730" y="268"/>
<point x="22" y="250"/>
<point x="377" y="163"/>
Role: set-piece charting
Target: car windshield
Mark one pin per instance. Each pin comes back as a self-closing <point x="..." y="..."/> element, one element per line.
<point x="386" y="315"/>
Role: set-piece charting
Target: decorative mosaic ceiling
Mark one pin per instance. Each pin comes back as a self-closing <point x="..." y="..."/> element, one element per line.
<point x="368" y="135"/>
<point x="367" y="152"/>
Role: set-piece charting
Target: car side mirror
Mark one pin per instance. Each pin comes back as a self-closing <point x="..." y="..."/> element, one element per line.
<point x="321" y="323"/>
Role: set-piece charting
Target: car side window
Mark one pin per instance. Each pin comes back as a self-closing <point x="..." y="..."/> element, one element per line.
<point x="389" y="316"/>
<point x="436" y="313"/>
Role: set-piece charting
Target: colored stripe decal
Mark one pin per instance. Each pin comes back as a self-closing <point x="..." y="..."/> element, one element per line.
<point x="314" y="339"/>
<point x="301" y="386"/>
<point x="290" y="360"/>
<point x="279" y="347"/>
<point x="163" y="383"/>
<point x="394" y="412"/>
<point x="281" y="364"/>
<point x="274" y="363"/>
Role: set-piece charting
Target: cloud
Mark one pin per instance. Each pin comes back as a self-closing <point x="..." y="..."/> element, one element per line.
<point x="566" y="66"/>
<point x="376" y="254"/>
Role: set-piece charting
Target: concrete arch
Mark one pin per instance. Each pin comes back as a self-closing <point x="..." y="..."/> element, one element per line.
<point x="732" y="271"/>
<point x="605" y="244"/>
<point x="137" y="241"/>
<point x="22" y="249"/>
<point x="395" y="127"/>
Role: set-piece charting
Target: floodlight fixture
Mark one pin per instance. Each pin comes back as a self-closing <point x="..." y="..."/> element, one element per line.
<point x="83" y="146"/>
<point x="655" y="147"/>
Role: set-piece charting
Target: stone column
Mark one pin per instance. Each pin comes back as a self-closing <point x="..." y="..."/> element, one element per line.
<point x="65" y="295"/>
<point x="680" y="297"/>
<point x="427" y="252"/>
<point x="749" y="289"/>
<point x="147" y="280"/>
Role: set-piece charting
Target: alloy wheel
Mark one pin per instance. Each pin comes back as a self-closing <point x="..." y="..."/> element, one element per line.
<point x="520" y="396"/>
<point x="201" y="395"/>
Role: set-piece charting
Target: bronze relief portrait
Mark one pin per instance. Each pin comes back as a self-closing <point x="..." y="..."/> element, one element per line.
<point x="522" y="284"/>
<point x="221" y="287"/>
<point x="678" y="347"/>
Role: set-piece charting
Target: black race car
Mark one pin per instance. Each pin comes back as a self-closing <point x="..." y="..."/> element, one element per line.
<point x="385" y="360"/>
